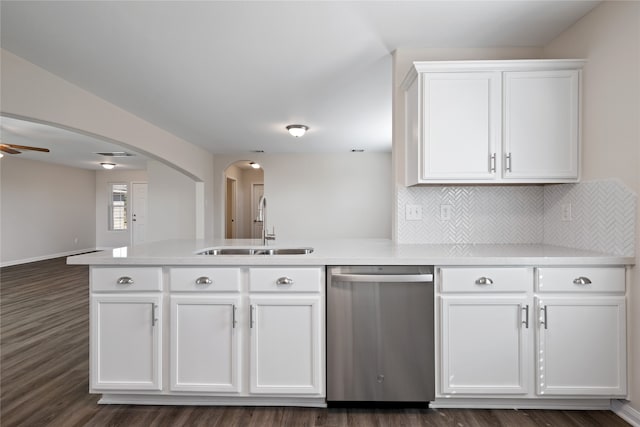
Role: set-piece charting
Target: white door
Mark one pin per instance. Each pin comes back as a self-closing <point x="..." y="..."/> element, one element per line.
<point x="257" y="191"/>
<point x="582" y="346"/>
<point x="204" y="343"/>
<point x="285" y="345"/>
<point x="461" y="122"/>
<point x="138" y="212"/>
<point x="485" y="345"/>
<point x="541" y="124"/>
<point x="126" y="342"/>
<point x="230" y="209"/>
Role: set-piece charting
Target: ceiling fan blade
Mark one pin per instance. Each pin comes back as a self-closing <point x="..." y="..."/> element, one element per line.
<point x="27" y="147"/>
<point x="8" y="150"/>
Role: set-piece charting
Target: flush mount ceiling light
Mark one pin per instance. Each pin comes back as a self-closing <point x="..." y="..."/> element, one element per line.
<point x="108" y="165"/>
<point x="254" y="165"/>
<point x="297" y="130"/>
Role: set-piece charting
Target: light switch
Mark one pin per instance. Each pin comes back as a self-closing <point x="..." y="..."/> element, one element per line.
<point x="413" y="212"/>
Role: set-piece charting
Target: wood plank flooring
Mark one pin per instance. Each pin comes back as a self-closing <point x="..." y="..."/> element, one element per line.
<point x="44" y="373"/>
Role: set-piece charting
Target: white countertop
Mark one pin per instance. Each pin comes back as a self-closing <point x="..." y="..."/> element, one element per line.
<point x="348" y="252"/>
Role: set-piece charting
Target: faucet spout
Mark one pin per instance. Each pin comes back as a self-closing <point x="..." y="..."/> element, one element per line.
<point x="262" y="217"/>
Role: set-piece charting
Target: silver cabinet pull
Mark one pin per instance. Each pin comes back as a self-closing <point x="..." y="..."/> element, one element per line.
<point x="251" y="321"/>
<point x="234" y="322"/>
<point x="581" y="281"/>
<point x="543" y="319"/>
<point x="203" y="281"/>
<point x="507" y="160"/>
<point x="525" y="322"/>
<point x="284" y="281"/>
<point x="154" y="319"/>
<point x="492" y="163"/>
<point x="484" y="281"/>
<point x="125" y="280"/>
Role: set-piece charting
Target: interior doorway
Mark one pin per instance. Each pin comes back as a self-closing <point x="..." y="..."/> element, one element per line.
<point x="244" y="184"/>
<point x="257" y="191"/>
<point x="230" y="209"/>
<point x="138" y="212"/>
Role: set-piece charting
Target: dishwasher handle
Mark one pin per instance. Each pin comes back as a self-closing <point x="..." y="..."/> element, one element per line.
<point x="382" y="278"/>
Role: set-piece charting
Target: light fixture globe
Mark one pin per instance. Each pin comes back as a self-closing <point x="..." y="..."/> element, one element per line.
<point x="297" y="130"/>
<point x="108" y="165"/>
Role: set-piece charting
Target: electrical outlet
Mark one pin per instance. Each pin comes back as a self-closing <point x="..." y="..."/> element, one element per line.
<point x="445" y="212"/>
<point x="566" y="212"/>
<point x="413" y="212"/>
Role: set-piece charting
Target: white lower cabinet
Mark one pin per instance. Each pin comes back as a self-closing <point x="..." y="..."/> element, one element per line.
<point x="247" y="331"/>
<point x="568" y="332"/>
<point x="285" y="344"/>
<point x="126" y="329"/>
<point x="126" y="342"/>
<point x="204" y="343"/>
<point x="484" y="345"/>
<point x="581" y="317"/>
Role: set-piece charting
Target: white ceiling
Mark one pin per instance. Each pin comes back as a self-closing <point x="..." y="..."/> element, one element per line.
<point x="230" y="75"/>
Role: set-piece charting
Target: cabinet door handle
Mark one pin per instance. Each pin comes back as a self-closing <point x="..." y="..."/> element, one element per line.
<point x="284" y="281"/>
<point x="492" y="163"/>
<point x="125" y="280"/>
<point x="203" y="281"/>
<point x="507" y="161"/>
<point x="484" y="281"/>
<point x="525" y="322"/>
<point x="154" y="319"/>
<point x="581" y="281"/>
<point x="234" y="322"/>
<point x="251" y="320"/>
<point x="543" y="318"/>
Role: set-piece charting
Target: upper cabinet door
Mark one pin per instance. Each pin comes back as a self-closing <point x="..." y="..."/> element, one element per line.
<point x="541" y="124"/>
<point x="461" y="125"/>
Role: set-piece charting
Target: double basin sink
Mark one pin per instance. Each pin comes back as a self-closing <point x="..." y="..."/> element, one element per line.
<point x="255" y="251"/>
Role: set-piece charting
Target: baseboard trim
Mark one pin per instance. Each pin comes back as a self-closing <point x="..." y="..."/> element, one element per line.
<point x="45" y="257"/>
<point x="525" y="403"/>
<point x="160" y="399"/>
<point x="623" y="409"/>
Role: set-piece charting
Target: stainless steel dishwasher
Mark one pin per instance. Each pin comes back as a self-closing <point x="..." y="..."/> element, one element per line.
<point x="380" y="337"/>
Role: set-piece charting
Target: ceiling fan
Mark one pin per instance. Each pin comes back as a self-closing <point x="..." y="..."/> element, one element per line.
<point x="14" y="149"/>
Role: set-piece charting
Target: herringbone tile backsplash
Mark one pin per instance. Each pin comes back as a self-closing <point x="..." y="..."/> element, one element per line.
<point x="603" y="215"/>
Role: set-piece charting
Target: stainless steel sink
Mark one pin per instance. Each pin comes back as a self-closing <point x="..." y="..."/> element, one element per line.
<point x="256" y="251"/>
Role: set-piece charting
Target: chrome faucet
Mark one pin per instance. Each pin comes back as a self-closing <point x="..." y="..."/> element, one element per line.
<point x="262" y="217"/>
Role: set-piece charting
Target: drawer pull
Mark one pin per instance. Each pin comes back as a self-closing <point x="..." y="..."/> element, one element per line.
<point x="284" y="281"/>
<point x="581" y="281"/>
<point x="484" y="281"/>
<point x="125" y="280"/>
<point x="203" y="281"/>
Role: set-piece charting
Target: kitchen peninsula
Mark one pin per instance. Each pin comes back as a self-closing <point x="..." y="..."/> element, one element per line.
<point x="171" y="326"/>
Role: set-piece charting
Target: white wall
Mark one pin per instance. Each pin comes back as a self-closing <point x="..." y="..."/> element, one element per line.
<point x="342" y="195"/>
<point x="44" y="209"/>
<point x="112" y="239"/>
<point x="31" y="92"/>
<point x="171" y="210"/>
<point x="609" y="38"/>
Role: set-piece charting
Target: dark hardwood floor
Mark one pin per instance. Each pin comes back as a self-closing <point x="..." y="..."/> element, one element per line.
<point x="44" y="373"/>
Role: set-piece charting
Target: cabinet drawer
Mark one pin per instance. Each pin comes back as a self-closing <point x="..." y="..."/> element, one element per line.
<point x="204" y="279"/>
<point x="116" y="279"/>
<point x="490" y="279"/>
<point x="581" y="279"/>
<point x="285" y="280"/>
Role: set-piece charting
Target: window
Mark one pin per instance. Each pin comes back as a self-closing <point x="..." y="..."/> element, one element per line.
<point x="117" y="207"/>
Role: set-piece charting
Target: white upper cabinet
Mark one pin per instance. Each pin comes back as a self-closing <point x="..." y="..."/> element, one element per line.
<point x="541" y="112"/>
<point x="492" y="121"/>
